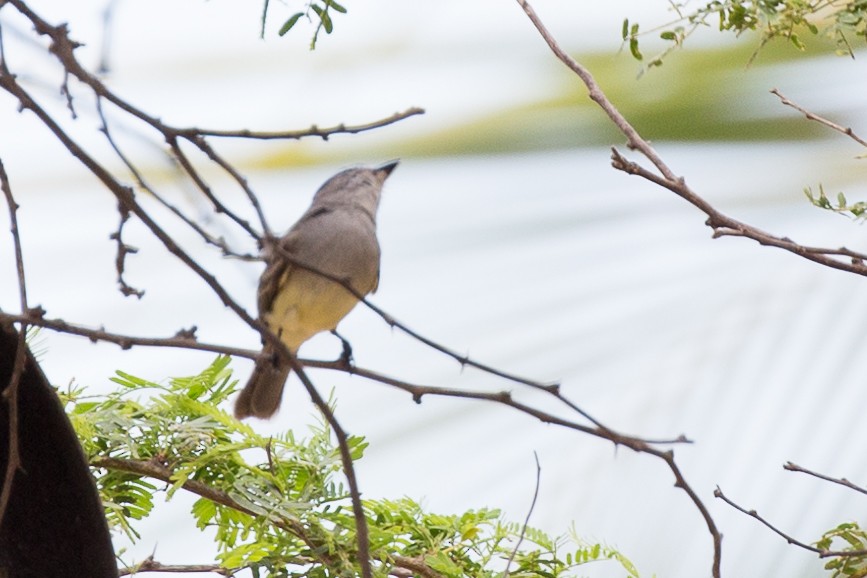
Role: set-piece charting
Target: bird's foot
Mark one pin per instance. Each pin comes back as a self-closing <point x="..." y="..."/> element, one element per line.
<point x="346" y="355"/>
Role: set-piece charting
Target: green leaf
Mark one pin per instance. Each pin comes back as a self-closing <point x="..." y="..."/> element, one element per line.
<point x="797" y="42"/>
<point x="130" y="381"/>
<point x="336" y="6"/>
<point x="625" y="31"/>
<point x="443" y="564"/>
<point x="287" y="26"/>
<point x="323" y="17"/>
<point x="633" y="48"/>
<point x="204" y="511"/>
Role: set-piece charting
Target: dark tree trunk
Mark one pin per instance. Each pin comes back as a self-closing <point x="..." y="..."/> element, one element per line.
<point x="54" y="526"/>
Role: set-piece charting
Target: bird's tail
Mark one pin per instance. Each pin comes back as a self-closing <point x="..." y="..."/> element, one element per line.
<point x="261" y="396"/>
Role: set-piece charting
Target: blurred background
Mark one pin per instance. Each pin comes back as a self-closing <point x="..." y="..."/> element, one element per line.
<point x="506" y="235"/>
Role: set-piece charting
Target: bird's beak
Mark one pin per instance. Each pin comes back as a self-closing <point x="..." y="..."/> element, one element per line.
<point x="383" y="171"/>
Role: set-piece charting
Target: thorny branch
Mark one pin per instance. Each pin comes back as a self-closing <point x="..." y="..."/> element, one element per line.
<point x="186" y="339"/>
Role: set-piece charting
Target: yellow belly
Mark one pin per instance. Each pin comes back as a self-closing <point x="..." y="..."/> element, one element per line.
<point x="307" y="304"/>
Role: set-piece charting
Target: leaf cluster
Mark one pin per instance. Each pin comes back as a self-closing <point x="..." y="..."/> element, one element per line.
<point x="855" y="540"/>
<point x="843" y="22"/>
<point x="857" y="210"/>
<point x="319" y="11"/>
<point x="277" y="505"/>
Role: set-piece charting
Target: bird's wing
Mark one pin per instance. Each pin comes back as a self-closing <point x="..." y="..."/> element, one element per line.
<point x="279" y="268"/>
<point x="375" y="282"/>
<point x="276" y="272"/>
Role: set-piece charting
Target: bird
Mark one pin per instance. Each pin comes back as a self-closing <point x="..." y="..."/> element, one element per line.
<point x="336" y="237"/>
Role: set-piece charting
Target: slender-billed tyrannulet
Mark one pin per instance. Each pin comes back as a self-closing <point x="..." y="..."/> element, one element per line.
<point x="336" y="236"/>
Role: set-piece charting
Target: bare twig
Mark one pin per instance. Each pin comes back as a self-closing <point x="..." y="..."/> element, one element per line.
<point x="821" y="120"/>
<point x="122" y="251"/>
<point x="2" y="45"/>
<point x="395" y="324"/>
<point x="313" y="131"/>
<point x="183" y="339"/>
<point x="725" y="226"/>
<point x="205" y="188"/>
<point x="791" y="540"/>
<point x="527" y="519"/>
<point x="634" y="140"/>
<point x="841" y="481"/>
<point x="140" y="180"/>
<point x="362" y="535"/>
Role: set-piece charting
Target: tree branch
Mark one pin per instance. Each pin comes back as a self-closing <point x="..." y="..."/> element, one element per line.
<point x="674" y="183"/>
<point x="313" y="131"/>
<point x="794" y="541"/>
<point x="527" y="519"/>
<point x="151" y="565"/>
<point x="821" y="120"/>
<point x="362" y="537"/>
<point x="142" y="183"/>
<point x="156" y="470"/>
<point x="722" y="224"/>
<point x="841" y="481"/>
